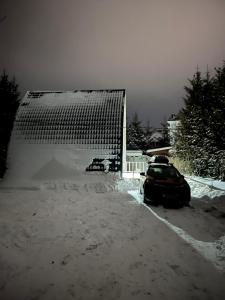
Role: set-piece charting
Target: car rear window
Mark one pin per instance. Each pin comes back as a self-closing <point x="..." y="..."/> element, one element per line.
<point x="163" y="172"/>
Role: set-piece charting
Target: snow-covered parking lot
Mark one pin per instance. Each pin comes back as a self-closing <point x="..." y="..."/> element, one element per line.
<point x="91" y="239"/>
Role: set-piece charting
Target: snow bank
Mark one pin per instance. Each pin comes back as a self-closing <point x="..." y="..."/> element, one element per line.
<point x="200" y="190"/>
<point x="29" y="162"/>
<point x="55" y="170"/>
<point x="124" y="185"/>
<point x="218" y="184"/>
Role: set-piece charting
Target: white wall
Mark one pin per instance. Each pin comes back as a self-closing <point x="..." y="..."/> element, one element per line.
<point x="124" y="141"/>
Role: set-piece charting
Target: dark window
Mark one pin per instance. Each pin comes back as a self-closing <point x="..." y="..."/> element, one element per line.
<point x="163" y="172"/>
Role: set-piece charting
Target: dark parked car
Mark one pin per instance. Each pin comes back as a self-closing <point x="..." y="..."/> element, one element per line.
<point x="163" y="183"/>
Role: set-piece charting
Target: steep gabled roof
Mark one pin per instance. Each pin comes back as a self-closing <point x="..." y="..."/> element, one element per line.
<point x="88" y="118"/>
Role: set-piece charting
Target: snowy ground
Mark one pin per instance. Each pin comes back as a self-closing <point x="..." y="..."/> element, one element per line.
<point x="92" y="238"/>
<point x="216" y="184"/>
<point x="202" y="225"/>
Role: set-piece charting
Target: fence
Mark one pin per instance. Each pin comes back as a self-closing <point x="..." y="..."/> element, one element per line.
<point x="133" y="166"/>
<point x="133" y="169"/>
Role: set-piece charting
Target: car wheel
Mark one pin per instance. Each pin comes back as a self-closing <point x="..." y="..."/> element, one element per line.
<point x="154" y="203"/>
<point x="145" y="200"/>
<point x="148" y="200"/>
<point x="186" y="202"/>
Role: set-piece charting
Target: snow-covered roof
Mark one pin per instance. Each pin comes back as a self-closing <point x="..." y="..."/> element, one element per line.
<point x="86" y="117"/>
<point x="156" y="136"/>
<point x="134" y="152"/>
<point x="158" y="149"/>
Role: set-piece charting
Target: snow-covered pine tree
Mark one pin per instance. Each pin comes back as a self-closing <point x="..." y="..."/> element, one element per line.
<point x="191" y="130"/>
<point x="200" y="139"/>
<point x="165" y="134"/>
<point x="135" y="135"/>
<point x="209" y="147"/>
<point x="217" y="121"/>
<point x="188" y="139"/>
<point x="148" y="130"/>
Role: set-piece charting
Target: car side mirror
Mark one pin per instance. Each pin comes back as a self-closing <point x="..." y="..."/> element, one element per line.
<point x="142" y="173"/>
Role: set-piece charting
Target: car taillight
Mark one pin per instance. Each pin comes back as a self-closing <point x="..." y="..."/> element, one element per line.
<point x="181" y="181"/>
<point x="150" y="179"/>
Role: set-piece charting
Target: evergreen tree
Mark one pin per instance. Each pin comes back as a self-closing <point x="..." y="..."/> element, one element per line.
<point x="148" y="130"/>
<point x="200" y="138"/>
<point x="189" y="115"/>
<point x="218" y="124"/>
<point x="9" y="102"/>
<point x="135" y="135"/>
<point x="165" y="134"/>
<point x="219" y="107"/>
<point x="192" y="130"/>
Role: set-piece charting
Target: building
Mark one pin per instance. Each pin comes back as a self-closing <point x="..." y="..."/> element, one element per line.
<point x="156" y="139"/>
<point x="73" y="128"/>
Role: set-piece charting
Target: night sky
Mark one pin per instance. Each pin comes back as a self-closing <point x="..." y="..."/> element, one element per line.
<point x="148" y="47"/>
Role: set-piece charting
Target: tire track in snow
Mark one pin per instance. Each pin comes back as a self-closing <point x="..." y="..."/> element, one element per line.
<point x="212" y="251"/>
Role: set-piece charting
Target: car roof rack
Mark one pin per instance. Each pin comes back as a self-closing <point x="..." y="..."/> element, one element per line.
<point x="159" y="159"/>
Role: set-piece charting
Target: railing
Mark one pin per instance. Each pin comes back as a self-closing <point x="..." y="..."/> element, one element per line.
<point x="136" y="166"/>
<point x="133" y="169"/>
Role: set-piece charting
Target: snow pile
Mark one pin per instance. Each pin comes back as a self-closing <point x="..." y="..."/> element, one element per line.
<point x="124" y="185"/>
<point x="218" y="184"/>
<point x="29" y="162"/>
<point x="55" y="170"/>
<point x="201" y="190"/>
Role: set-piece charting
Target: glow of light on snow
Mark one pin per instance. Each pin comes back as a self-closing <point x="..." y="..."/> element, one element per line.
<point x="212" y="251"/>
<point x="208" y="183"/>
<point x="199" y="189"/>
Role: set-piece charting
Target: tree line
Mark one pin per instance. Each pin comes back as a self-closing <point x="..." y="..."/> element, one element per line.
<point x="141" y="137"/>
